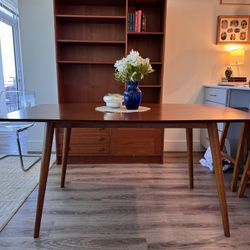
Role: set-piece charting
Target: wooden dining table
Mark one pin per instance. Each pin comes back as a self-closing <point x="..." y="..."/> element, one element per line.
<point x="185" y="116"/>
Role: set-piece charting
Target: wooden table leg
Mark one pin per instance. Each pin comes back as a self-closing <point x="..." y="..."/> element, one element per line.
<point x="244" y="179"/>
<point x="217" y="163"/>
<point x="224" y="135"/>
<point x="239" y="156"/>
<point x="189" y="138"/>
<point x="245" y="176"/>
<point x="43" y="176"/>
<point x="66" y="142"/>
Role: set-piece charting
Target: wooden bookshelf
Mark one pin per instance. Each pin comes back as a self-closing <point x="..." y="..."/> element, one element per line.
<point x="90" y="37"/>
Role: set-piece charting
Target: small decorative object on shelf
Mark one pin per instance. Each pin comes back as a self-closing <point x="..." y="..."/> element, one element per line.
<point x="228" y="72"/>
<point x="131" y="70"/>
<point x="113" y="100"/>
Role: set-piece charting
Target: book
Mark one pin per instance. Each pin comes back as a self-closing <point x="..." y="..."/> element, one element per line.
<point x="133" y="22"/>
<point x="139" y="18"/>
<point x="130" y="22"/>
<point x="143" y="22"/>
<point x="234" y="79"/>
<point x="136" y="21"/>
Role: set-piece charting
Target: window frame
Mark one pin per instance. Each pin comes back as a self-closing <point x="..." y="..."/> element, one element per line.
<point x="12" y="19"/>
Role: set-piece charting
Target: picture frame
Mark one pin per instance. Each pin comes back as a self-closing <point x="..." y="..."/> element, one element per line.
<point x="235" y="2"/>
<point x="233" y="29"/>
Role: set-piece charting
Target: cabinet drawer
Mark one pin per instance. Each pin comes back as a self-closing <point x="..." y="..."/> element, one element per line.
<point x="131" y="142"/>
<point x="216" y="95"/>
<point x="87" y="142"/>
<point x="88" y="149"/>
<point x="87" y="136"/>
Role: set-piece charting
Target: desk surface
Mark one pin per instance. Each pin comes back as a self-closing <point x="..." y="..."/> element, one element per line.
<point x="159" y="113"/>
<point x="243" y="88"/>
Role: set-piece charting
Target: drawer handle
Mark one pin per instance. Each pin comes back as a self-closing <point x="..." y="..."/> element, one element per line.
<point x="212" y="95"/>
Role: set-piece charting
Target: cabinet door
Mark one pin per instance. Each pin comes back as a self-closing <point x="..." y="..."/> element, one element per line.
<point x="134" y="142"/>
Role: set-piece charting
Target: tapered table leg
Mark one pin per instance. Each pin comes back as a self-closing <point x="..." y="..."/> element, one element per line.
<point x="245" y="175"/>
<point x="66" y="142"/>
<point x="43" y="176"/>
<point x="217" y="163"/>
<point x="189" y="138"/>
<point x="224" y="135"/>
<point x="239" y="155"/>
<point x="244" y="178"/>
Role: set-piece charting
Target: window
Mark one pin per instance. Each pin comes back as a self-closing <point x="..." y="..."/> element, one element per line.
<point x="11" y="74"/>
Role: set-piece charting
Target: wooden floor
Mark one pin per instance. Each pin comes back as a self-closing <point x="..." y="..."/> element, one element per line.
<point x="135" y="207"/>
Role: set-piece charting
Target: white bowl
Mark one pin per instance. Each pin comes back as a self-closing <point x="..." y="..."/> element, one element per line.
<point x="113" y="100"/>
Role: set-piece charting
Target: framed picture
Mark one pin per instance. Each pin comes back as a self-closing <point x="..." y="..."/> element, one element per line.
<point x="235" y="2"/>
<point x="233" y="29"/>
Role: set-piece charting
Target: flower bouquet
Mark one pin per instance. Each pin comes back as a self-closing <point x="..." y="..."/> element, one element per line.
<point x="131" y="70"/>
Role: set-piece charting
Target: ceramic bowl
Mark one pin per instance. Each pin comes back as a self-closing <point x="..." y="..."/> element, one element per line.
<point x="113" y="100"/>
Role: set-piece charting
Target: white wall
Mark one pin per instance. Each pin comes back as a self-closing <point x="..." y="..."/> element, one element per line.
<point x="192" y="56"/>
<point x="38" y="49"/>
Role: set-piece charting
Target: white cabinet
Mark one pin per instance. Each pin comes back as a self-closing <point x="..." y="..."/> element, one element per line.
<point x="236" y="97"/>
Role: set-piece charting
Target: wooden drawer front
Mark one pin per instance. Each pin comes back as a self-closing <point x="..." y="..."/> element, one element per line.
<point x="87" y="141"/>
<point x="136" y="142"/>
<point x="216" y="95"/>
<point x="88" y="149"/>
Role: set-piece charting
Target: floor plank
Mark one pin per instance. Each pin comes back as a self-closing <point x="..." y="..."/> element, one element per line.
<point x="132" y="206"/>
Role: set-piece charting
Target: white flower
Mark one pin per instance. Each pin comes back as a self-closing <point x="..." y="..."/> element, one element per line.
<point x="133" y="67"/>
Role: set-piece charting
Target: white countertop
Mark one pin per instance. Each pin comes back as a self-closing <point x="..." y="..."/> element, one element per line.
<point x="246" y="88"/>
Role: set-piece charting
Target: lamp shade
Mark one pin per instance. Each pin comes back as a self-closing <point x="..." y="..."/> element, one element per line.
<point x="236" y="57"/>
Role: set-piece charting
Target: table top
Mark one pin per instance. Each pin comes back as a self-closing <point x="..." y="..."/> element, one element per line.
<point x="159" y="113"/>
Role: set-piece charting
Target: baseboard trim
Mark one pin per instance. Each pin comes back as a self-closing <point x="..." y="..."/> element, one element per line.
<point x="37" y="146"/>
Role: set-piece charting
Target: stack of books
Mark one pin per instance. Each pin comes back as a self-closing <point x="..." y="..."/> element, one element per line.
<point x="136" y="21"/>
<point x="233" y="81"/>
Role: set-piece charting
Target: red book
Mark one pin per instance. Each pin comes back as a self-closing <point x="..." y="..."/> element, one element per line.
<point x="139" y="16"/>
<point x="136" y="21"/>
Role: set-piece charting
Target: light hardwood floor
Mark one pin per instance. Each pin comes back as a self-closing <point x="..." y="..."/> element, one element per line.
<point x="133" y="206"/>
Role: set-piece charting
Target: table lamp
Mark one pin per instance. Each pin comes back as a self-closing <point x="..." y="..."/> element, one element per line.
<point x="236" y="58"/>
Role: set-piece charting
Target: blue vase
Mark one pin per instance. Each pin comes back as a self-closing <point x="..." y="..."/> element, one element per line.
<point x="132" y="95"/>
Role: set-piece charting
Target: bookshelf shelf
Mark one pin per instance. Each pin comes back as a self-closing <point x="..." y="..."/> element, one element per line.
<point x="84" y="62"/>
<point x="91" y="18"/>
<point x="94" y="42"/>
<point x="139" y="3"/>
<point x="145" y="34"/>
<point x="156" y="63"/>
<point x="149" y="86"/>
<point x="90" y="37"/>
